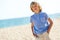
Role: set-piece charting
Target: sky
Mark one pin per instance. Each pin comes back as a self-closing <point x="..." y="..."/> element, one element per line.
<point x="21" y="8"/>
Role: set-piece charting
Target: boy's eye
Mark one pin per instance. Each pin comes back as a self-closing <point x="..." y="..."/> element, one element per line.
<point x="36" y="6"/>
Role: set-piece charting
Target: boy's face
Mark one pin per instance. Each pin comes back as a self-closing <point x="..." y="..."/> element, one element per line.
<point x="35" y="8"/>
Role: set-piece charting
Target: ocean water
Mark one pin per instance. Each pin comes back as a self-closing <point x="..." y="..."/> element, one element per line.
<point x="20" y="21"/>
<point x="14" y="22"/>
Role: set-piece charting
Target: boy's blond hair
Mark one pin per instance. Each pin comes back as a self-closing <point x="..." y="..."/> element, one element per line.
<point x="32" y="3"/>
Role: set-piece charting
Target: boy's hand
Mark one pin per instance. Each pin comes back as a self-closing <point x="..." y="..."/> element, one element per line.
<point x="35" y="35"/>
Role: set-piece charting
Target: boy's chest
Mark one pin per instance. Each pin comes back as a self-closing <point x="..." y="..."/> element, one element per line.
<point x="39" y="18"/>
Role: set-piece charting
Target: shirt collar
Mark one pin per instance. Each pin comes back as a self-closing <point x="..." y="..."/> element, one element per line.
<point x="38" y="13"/>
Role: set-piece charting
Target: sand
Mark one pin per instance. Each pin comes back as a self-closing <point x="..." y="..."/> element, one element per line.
<point x="24" y="32"/>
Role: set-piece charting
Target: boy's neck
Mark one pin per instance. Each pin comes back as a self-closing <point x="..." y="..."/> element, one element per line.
<point x="37" y="12"/>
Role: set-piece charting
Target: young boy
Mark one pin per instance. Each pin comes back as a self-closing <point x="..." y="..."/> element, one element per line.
<point x="40" y="22"/>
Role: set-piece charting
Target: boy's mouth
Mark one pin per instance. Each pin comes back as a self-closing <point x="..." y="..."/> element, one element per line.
<point x="35" y="9"/>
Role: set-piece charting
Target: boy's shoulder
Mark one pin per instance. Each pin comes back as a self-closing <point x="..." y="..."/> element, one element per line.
<point x="32" y="16"/>
<point x="44" y="13"/>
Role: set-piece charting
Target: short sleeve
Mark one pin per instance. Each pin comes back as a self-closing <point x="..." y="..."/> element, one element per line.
<point x="46" y="16"/>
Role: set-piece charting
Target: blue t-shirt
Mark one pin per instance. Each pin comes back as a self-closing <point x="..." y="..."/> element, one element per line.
<point x="40" y="22"/>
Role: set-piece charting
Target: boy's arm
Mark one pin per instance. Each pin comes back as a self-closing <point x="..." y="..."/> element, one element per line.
<point x="51" y="23"/>
<point x="32" y="30"/>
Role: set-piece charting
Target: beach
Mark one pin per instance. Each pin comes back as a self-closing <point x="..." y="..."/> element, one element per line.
<point x="23" y="32"/>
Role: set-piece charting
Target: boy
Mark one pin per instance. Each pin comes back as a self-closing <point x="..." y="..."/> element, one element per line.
<point x="40" y="22"/>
